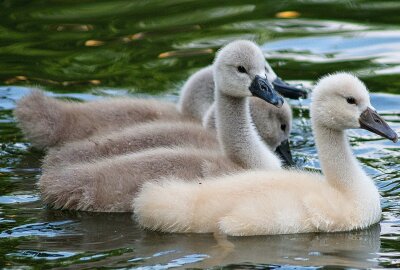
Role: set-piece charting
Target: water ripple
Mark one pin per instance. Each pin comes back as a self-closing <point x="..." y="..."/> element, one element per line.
<point x="47" y="229"/>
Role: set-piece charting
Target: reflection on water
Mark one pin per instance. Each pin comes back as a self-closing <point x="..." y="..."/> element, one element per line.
<point x="116" y="239"/>
<point x="356" y="249"/>
<point x="89" y="49"/>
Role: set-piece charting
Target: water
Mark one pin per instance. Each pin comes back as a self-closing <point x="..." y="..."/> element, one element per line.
<point x="88" y="49"/>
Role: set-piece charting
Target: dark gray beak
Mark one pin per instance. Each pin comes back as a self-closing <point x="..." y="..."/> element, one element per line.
<point x="287" y="90"/>
<point x="283" y="151"/>
<point x="261" y="88"/>
<point x="372" y="121"/>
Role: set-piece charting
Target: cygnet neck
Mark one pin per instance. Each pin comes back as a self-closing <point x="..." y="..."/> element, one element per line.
<point x="237" y="135"/>
<point x="339" y="165"/>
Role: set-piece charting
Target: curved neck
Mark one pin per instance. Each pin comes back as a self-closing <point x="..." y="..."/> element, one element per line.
<point x="197" y="94"/>
<point x="344" y="173"/>
<point x="237" y="135"/>
<point x="338" y="163"/>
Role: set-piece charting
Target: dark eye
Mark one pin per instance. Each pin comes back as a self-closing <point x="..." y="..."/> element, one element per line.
<point x="283" y="127"/>
<point x="241" y="69"/>
<point x="351" y="100"/>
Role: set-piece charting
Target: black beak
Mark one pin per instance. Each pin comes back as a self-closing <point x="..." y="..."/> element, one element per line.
<point x="287" y="90"/>
<point x="283" y="151"/>
<point x="261" y="88"/>
<point x="372" y="121"/>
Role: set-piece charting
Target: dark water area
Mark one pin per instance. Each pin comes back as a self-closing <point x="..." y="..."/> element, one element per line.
<point x="87" y="49"/>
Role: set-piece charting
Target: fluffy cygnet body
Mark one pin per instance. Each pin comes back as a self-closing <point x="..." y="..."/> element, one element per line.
<point x="132" y="139"/>
<point x="47" y="122"/>
<point x="241" y="145"/>
<point x="281" y="202"/>
<point x="108" y="185"/>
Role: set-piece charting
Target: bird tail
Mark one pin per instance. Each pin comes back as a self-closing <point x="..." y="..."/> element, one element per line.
<point x="40" y="118"/>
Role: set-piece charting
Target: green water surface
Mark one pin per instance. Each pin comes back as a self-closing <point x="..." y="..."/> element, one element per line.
<point x="89" y="49"/>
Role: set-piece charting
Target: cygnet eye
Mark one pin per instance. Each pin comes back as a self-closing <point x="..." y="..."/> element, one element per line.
<point x="241" y="69"/>
<point x="283" y="127"/>
<point x="351" y="100"/>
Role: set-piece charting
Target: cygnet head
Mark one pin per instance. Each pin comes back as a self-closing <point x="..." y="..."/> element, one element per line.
<point x="273" y="124"/>
<point x="240" y="71"/>
<point x="341" y="101"/>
